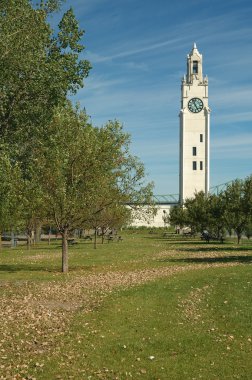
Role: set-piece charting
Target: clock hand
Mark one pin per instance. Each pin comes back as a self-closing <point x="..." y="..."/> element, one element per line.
<point x="195" y="105"/>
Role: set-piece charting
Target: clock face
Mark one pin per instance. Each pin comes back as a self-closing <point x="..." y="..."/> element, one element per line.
<point x="195" y="105"/>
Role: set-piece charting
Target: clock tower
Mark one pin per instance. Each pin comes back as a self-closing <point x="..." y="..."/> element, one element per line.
<point x="194" y="129"/>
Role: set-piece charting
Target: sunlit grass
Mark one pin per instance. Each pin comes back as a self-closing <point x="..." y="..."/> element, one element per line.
<point x="147" y="307"/>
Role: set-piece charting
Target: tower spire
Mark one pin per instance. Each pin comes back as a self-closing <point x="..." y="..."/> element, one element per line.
<point x="194" y="65"/>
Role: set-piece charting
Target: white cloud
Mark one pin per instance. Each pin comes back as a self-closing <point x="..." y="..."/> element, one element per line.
<point x="137" y="50"/>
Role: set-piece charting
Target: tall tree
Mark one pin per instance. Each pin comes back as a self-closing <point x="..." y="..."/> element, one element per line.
<point x="235" y="205"/>
<point x="198" y="212"/>
<point x="178" y="216"/>
<point x="38" y="66"/>
<point x="216" y="208"/>
<point x="11" y="187"/>
<point x="81" y="165"/>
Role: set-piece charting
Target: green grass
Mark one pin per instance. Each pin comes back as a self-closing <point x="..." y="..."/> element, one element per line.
<point x="119" y="339"/>
<point x="191" y="323"/>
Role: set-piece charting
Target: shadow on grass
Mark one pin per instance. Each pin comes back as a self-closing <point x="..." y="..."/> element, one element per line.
<point x="217" y="248"/>
<point x="209" y="260"/>
<point x="57" y="247"/>
<point x="164" y="239"/>
<point x="26" y="268"/>
<point x="247" y="245"/>
<point x="16" y="268"/>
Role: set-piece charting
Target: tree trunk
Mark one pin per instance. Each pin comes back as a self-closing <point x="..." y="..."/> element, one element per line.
<point x="49" y="236"/>
<point x="37" y="236"/>
<point x="12" y="239"/>
<point x="64" y="251"/>
<point x="238" y="238"/>
<point x="104" y="230"/>
<point x="95" y="238"/>
<point x="29" y="239"/>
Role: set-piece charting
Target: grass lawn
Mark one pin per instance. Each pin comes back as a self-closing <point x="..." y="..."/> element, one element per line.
<point x="148" y="307"/>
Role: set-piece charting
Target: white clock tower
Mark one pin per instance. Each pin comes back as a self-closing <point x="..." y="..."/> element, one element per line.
<point x="194" y="129"/>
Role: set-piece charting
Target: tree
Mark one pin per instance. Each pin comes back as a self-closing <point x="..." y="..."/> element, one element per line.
<point x="248" y="230"/>
<point x="178" y="216"/>
<point x="86" y="170"/>
<point x="10" y="191"/>
<point x="248" y="205"/>
<point x="107" y="218"/>
<point x="198" y="212"/>
<point x="33" y="205"/>
<point x="38" y="67"/>
<point x="216" y="207"/>
<point x="235" y="204"/>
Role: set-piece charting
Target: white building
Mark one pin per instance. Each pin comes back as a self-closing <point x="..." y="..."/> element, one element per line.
<point x="163" y="204"/>
<point x="194" y="140"/>
<point x="194" y="129"/>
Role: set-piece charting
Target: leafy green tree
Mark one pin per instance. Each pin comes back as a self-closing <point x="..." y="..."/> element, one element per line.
<point x="248" y="205"/>
<point x="235" y="205"/>
<point x="38" y="68"/>
<point x="86" y="170"/>
<point x="198" y="212"/>
<point x="178" y="216"/>
<point x="247" y="185"/>
<point x="68" y="173"/>
<point x="111" y="217"/>
<point x="33" y="206"/>
<point x="216" y="223"/>
<point x="248" y="230"/>
<point x="10" y="191"/>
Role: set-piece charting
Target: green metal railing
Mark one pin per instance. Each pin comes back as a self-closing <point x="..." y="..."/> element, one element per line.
<point x="167" y="198"/>
<point x="174" y="198"/>
<point x="219" y="188"/>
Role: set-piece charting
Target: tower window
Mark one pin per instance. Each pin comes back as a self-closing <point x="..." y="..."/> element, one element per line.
<point x="201" y="137"/>
<point x="194" y="151"/>
<point x="201" y="165"/>
<point x="194" y="165"/>
<point x="195" y="67"/>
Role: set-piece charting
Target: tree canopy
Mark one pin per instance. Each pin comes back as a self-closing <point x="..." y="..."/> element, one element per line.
<point x="231" y="210"/>
<point x="55" y="166"/>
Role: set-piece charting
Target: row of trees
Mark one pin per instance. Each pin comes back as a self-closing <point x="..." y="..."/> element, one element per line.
<point x="55" y="167"/>
<point x="229" y="211"/>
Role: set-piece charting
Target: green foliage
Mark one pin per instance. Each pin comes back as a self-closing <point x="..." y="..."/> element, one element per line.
<point x="70" y="172"/>
<point x="38" y="69"/>
<point x="216" y="220"/>
<point x="178" y="216"/>
<point x="197" y="212"/>
<point x="237" y="209"/>
<point x="231" y="211"/>
<point x="10" y="190"/>
<point x="87" y="173"/>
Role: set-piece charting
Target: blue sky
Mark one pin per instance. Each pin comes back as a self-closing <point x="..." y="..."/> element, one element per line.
<point x="138" y="52"/>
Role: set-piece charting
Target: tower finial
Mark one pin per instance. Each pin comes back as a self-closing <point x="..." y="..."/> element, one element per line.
<point x="194" y="45"/>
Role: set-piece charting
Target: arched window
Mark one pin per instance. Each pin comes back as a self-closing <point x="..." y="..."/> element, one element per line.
<point x="195" y="67"/>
